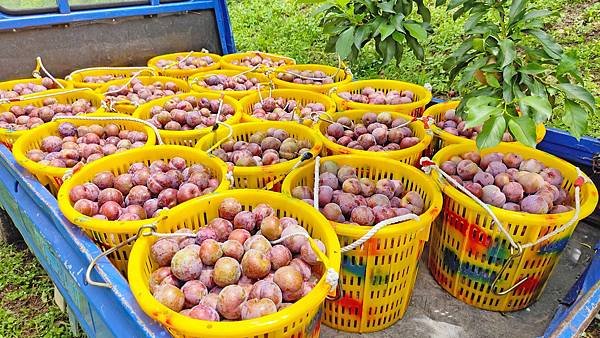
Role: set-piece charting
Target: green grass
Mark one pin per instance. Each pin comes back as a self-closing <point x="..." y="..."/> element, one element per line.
<point x="27" y="308"/>
<point x="289" y="28"/>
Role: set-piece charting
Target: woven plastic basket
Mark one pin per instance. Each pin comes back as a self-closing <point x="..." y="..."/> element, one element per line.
<point x="302" y="319"/>
<point x="237" y="94"/>
<point x="226" y="61"/>
<point x="261" y="177"/>
<point x="108" y="234"/>
<point x="421" y="96"/>
<point x="409" y="155"/>
<point x="77" y="77"/>
<point x="128" y="107"/>
<point x="188" y="138"/>
<point x="378" y="277"/>
<point x="8" y="137"/>
<point x="183" y="73"/>
<point x="340" y="77"/>
<point x="302" y="98"/>
<point x="443" y="138"/>
<point x="9" y="85"/>
<point x="467" y="250"/>
<point x="52" y="177"/>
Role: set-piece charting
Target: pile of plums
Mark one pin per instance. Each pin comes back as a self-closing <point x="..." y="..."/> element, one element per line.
<point x="230" y="271"/>
<point x="224" y="82"/>
<point x="29" y="116"/>
<point x="263" y="148"/>
<point x="138" y="93"/>
<point x="143" y="191"/>
<point x="371" y="96"/>
<point x="454" y="124"/>
<point x="84" y="144"/>
<point x="281" y="109"/>
<point x="377" y="132"/>
<point x="28" y="88"/>
<point x="102" y="78"/>
<point x="316" y="77"/>
<point x="189" y="113"/>
<point x="345" y="198"/>
<point x="510" y="182"/>
<point x="253" y="61"/>
<point x="182" y="62"/>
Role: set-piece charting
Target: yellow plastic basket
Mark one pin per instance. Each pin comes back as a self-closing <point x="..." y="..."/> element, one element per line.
<point x="468" y="250"/>
<point x="52" y="177"/>
<point x="128" y="107"/>
<point x="261" y="177"/>
<point x="188" y="138"/>
<point x="9" y="85"/>
<point x="226" y="61"/>
<point x="409" y="155"/>
<point x="377" y="278"/>
<point x="421" y="96"/>
<point x="302" y="97"/>
<point x="340" y="77"/>
<point x="108" y="234"/>
<point x="8" y="137"/>
<point x="237" y="94"/>
<point x="183" y="73"/>
<point x="302" y="319"/>
<point x="77" y="77"/>
<point x="443" y="138"/>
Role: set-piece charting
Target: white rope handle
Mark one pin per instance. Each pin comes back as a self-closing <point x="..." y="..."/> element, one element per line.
<point x="173" y="63"/>
<point x="133" y="69"/>
<point x="41" y="66"/>
<point x="316" y="183"/>
<point x="111" y="118"/>
<point x="428" y="165"/>
<point x="376" y="229"/>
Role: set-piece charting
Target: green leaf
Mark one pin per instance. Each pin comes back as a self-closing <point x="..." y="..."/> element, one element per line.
<point x="385" y="30"/>
<point x="492" y="132"/>
<point x="575" y="117"/>
<point x="423" y="11"/>
<point x="398" y="37"/>
<point x="415" y="47"/>
<point x="478" y="44"/>
<point x="507" y="90"/>
<point x="553" y="49"/>
<point x="568" y="65"/>
<point x="508" y="73"/>
<point x="473" y="20"/>
<point x="540" y="105"/>
<point x="399" y="51"/>
<point x="361" y="35"/>
<point x="491" y="80"/>
<point x="416" y="30"/>
<point x="481" y="100"/>
<point x="578" y="93"/>
<point x="523" y="129"/>
<point x="477" y="116"/>
<point x="516" y="11"/>
<point x="388" y="50"/>
<point x="470" y="70"/>
<point x="532" y="68"/>
<point x="343" y="46"/>
<point x="398" y="20"/>
<point x="538" y="13"/>
<point x="509" y="52"/>
<point x="463" y="48"/>
<point x="387" y="6"/>
<point x="455" y="3"/>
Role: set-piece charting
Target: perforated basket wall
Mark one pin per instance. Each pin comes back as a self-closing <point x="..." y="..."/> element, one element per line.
<point x="377" y="278"/>
<point x="409" y="155"/>
<point x="107" y="234"/>
<point x="467" y="250"/>
<point x="302" y="319"/>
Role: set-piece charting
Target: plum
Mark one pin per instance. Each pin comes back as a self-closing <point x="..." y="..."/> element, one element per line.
<point x="491" y="157"/>
<point x="228" y="208"/>
<point x="233" y="249"/>
<point x="206" y="277"/>
<point x="475" y="188"/>
<point x="512" y="160"/>
<point x="163" y="250"/>
<point x="271" y="228"/>
<point x="473" y="156"/>
<point x="186" y="263"/>
<point x="227" y="271"/>
<point x="467" y="169"/>
<point x="297" y="238"/>
<point x="239" y="235"/>
<point x="86" y="207"/>
<point x="413" y="202"/>
<point x="204" y="312"/>
<point x="531" y="182"/>
<point x="266" y="289"/>
<point x="511" y="206"/>
<point x="258" y="242"/>
<point x="552" y="176"/>
<point x="288" y="279"/>
<point x="255" y="264"/>
<point x="254" y="308"/>
<point x="534" y="204"/>
<point x="449" y="167"/>
<point x="261" y="211"/>
<point x="332" y="212"/>
<point x="491" y="194"/>
<point x="495" y="168"/>
<point x="193" y="292"/>
<point x="307" y="253"/>
<point x="221" y="227"/>
<point x="501" y="180"/>
<point x="484" y="178"/>
<point x="362" y="215"/>
<point x="230" y="300"/>
<point x="329" y="179"/>
<point x="557" y="209"/>
<point x="210" y="251"/>
<point x="170" y="296"/>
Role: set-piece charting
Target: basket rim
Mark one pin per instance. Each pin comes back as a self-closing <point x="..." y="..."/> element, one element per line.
<point x="145" y="110"/>
<point x="287" y="93"/>
<point x="204" y="143"/>
<point x="313" y="87"/>
<point x="540" y="129"/>
<point x="91" y="94"/>
<point x="226" y="60"/>
<point x="589" y="192"/>
<point x="237" y="94"/>
<point x="5" y="84"/>
<point x="409" y="226"/>
<point x="184" y="72"/>
<point x="422" y="102"/>
<point x="251" y="327"/>
<point x="45" y="129"/>
<point x="181" y="84"/>
<point x="108" y="163"/>
<point x="419" y="147"/>
<point x="82" y="72"/>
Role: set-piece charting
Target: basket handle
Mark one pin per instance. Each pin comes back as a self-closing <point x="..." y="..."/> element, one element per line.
<point x="114" y="118"/>
<point x="42" y="95"/>
<point x="305" y="157"/>
<point x="40" y="66"/>
<point x="151" y="71"/>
